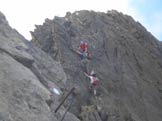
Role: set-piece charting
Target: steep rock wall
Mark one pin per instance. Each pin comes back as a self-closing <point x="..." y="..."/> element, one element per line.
<point x="25" y="71"/>
<point x="125" y="56"/>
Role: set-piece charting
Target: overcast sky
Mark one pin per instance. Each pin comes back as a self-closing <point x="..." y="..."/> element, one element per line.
<point x="24" y="14"/>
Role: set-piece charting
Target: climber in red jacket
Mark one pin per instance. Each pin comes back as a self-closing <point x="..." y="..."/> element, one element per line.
<point x="93" y="80"/>
<point x="83" y="50"/>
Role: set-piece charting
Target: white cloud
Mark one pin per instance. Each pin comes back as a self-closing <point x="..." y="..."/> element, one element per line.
<point x="24" y="14"/>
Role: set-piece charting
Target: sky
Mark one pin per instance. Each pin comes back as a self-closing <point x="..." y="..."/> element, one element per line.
<point x="23" y="15"/>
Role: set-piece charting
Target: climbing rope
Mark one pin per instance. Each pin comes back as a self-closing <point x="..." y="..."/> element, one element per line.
<point x="54" y="31"/>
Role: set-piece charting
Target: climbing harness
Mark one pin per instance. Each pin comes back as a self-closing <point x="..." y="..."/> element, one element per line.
<point x="82" y="55"/>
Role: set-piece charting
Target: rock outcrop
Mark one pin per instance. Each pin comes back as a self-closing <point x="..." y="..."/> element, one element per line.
<point x="25" y="71"/>
<point x="125" y="56"/>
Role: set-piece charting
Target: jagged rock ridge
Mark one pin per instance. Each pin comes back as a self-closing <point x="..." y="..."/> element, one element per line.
<point x="25" y="71"/>
<point x="126" y="57"/>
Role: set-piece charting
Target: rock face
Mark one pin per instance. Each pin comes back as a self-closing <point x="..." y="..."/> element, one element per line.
<point x="25" y="71"/>
<point x="125" y="56"/>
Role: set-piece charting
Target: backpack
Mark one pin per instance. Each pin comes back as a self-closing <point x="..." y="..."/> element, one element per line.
<point x="95" y="81"/>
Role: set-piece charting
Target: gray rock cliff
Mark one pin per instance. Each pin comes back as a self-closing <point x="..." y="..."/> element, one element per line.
<point x="25" y="72"/>
<point x="125" y="56"/>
